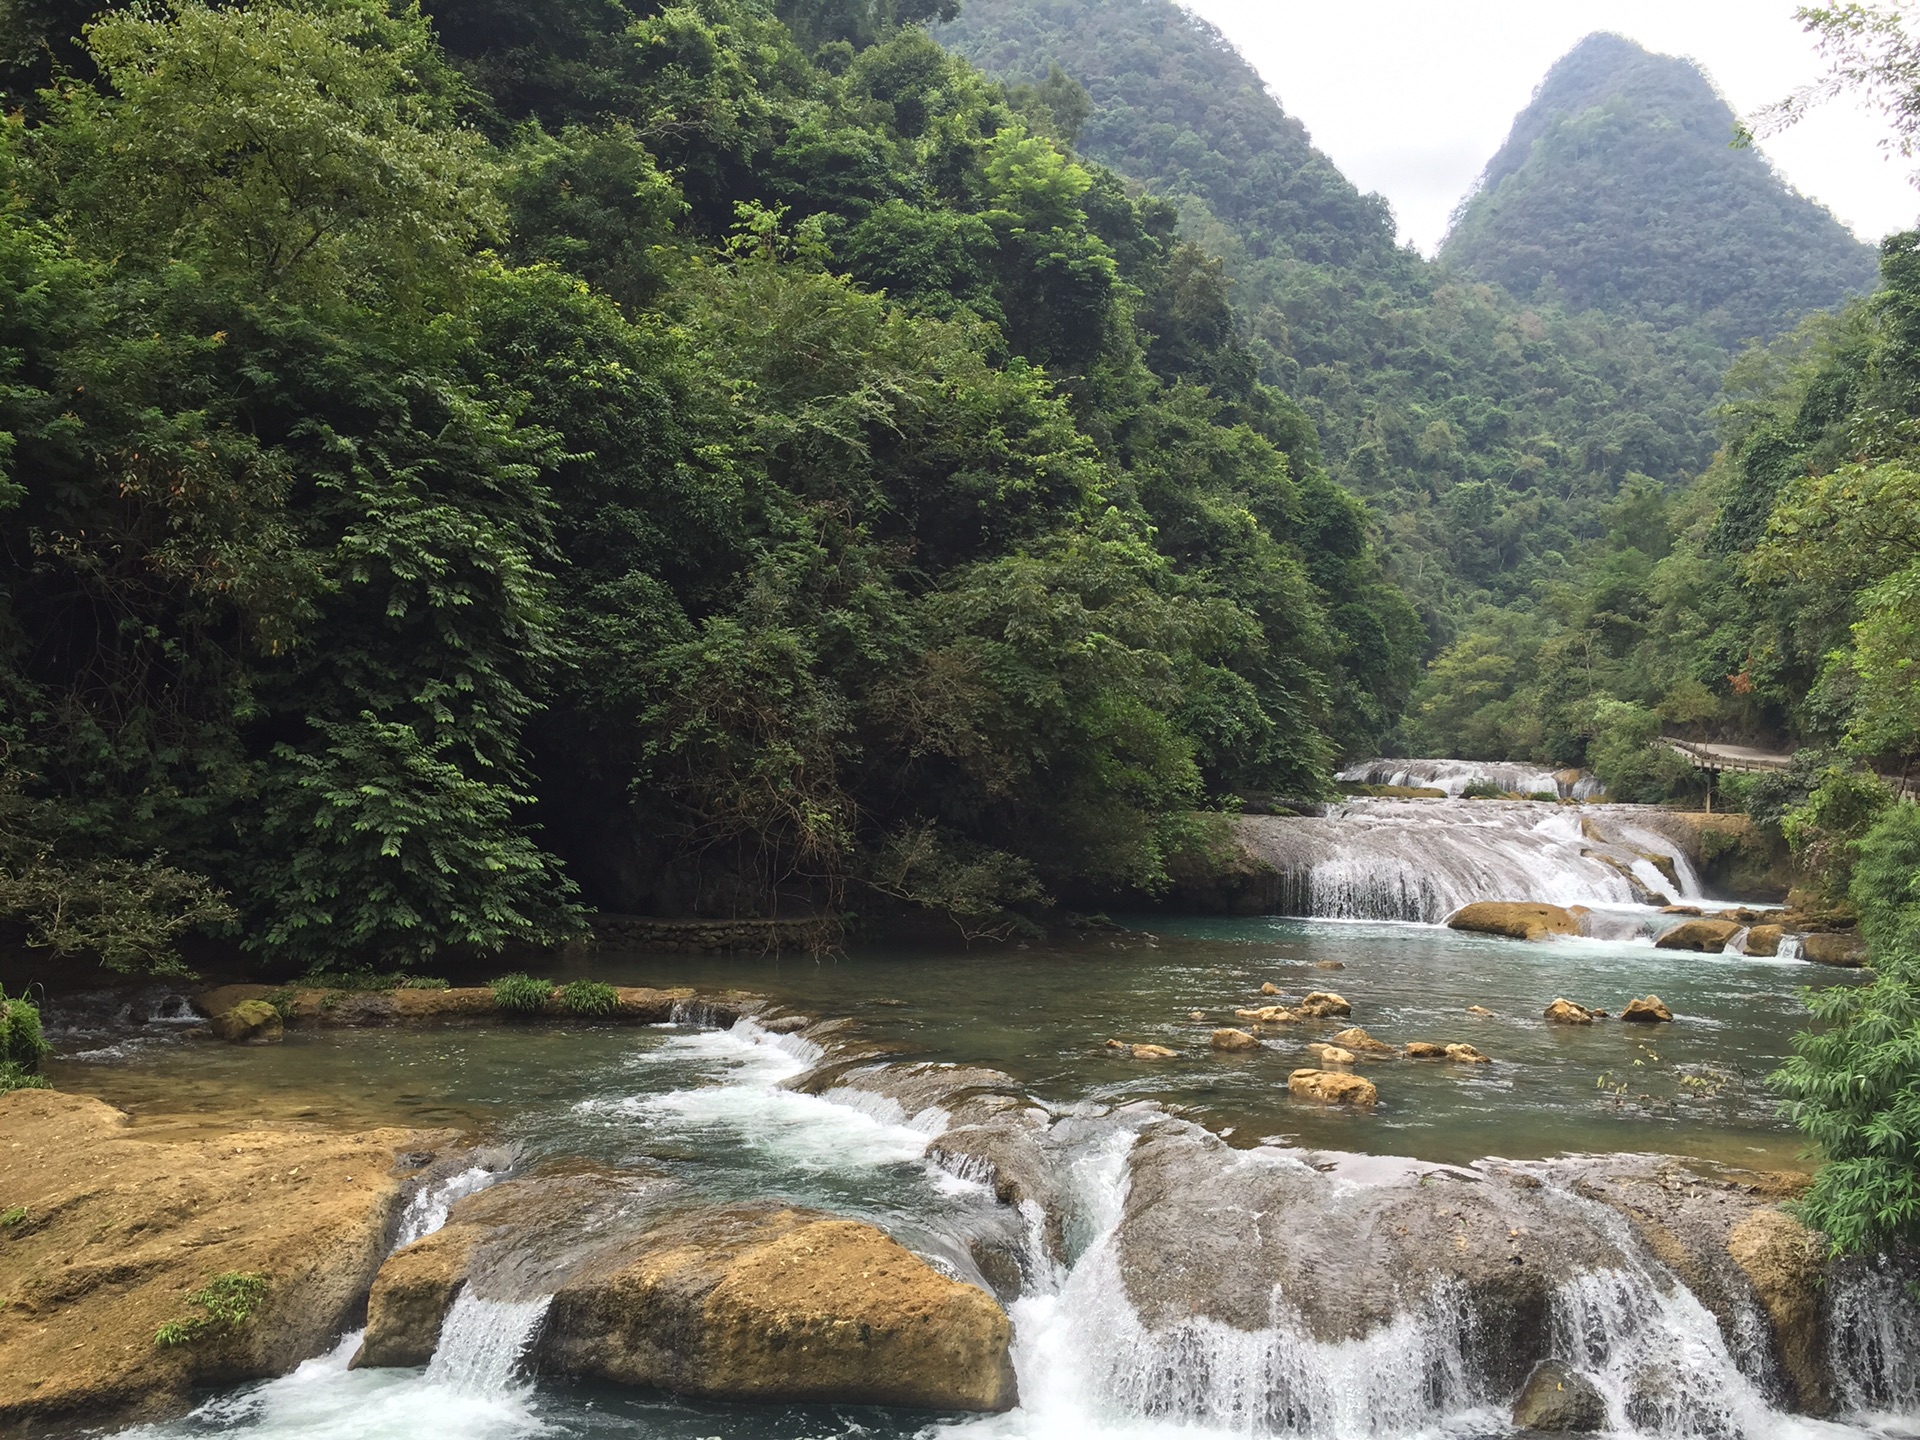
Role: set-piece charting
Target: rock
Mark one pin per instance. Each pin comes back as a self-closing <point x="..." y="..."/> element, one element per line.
<point x="1426" y="1050"/>
<point x="1844" y="948"/>
<point x="1332" y="1088"/>
<point x="1323" y="1005"/>
<point x="1648" y="1011"/>
<point x="307" y="1005"/>
<point x="249" y="1022"/>
<point x="1269" y="988"/>
<point x="1681" y="910"/>
<point x="1764" y="940"/>
<point x="1268" y="1015"/>
<point x="1565" y="1012"/>
<point x="1516" y="921"/>
<point x="1331" y="1054"/>
<point x="1359" y="1041"/>
<point x="762" y="1303"/>
<point x="1234" y="1040"/>
<point x="1709" y="937"/>
<point x="1154" y="1052"/>
<point x="1481" y="1011"/>
<point x="1196" y="1015"/>
<point x="1559" y="1400"/>
<point x="411" y="1297"/>
<point x="1329" y="964"/>
<point x="1467" y="1055"/>
<point x="122" y="1230"/>
<point x="1782" y="1260"/>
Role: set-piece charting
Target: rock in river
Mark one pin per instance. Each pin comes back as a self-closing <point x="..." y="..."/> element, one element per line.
<point x="1764" y="940"/>
<point x="1426" y="1050"/>
<point x="1359" y="1041"/>
<point x="252" y="1021"/>
<point x="1648" y="1011"/>
<point x="1709" y="937"/>
<point x="1844" y="948"/>
<point x="1467" y="1055"/>
<point x="1234" y="1040"/>
<point x="1559" y="1400"/>
<point x="769" y="1303"/>
<point x="1565" y="1012"/>
<point x="1323" y="1005"/>
<point x="1514" y="920"/>
<point x="1331" y="1088"/>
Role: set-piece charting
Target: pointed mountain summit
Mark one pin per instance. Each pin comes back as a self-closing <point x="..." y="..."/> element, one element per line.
<point x="1619" y="190"/>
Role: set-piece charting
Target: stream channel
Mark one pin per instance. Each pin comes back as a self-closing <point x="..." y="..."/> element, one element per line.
<point x="707" y="1110"/>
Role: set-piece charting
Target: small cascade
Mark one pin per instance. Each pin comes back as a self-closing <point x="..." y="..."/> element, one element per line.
<point x="482" y="1342"/>
<point x="1457" y="776"/>
<point x="1873" y="1341"/>
<point x="1422" y="860"/>
<point x="1790" y="948"/>
<point x="427" y="1211"/>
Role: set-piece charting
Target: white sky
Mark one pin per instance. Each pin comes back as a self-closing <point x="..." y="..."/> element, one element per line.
<point x="1412" y="97"/>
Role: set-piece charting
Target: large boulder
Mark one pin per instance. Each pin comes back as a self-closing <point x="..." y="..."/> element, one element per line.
<point x="1782" y="1260"/>
<point x="770" y="1303"/>
<point x="411" y="1296"/>
<point x="1843" y="948"/>
<point x="1565" y="1012"/>
<point x="1650" y="1010"/>
<point x="1708" y="937"/>
<point x="1559" y="1400"/>
<point x="1332" y="1088"/>
<point x="1763" y="940"/>
<point x="1515" y="920"/>
<point x="1234" y="1040"/>
<point x="249" y="1022"/>
<point x="121" y="1232"/>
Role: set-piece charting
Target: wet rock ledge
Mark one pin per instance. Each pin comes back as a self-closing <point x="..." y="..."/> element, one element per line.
<point x="308" y="1005"/>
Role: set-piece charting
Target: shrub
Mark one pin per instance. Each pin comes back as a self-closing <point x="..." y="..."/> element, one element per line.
<point x="22" y="1045"/>
<point x="228" y="1300"/>
<point x="522" y="994"/>
<point x="1853" y="1085"/>
<point x="1483" y="790"/>
<point x="589" y="997"/>
<point x="1827" y="832"/>
<point x="12" y="1077"/>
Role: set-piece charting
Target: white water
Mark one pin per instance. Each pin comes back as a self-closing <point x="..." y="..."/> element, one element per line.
<point x="1455" y="776"/>
<point x="428" y="1209"/>
<point x="1422" y="860"/>
<point x="483" y="1341"/>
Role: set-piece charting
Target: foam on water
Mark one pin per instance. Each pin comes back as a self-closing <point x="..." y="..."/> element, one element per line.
<point x="427" y="1211"/>
<point x="482" y="1342"/>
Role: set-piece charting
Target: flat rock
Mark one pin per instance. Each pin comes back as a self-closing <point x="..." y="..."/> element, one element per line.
<point x="1426" y="1050"/>
<point x="1514" y="920"/>
<point x="1708" y="937"/>
<point x="1359" y="1041"/>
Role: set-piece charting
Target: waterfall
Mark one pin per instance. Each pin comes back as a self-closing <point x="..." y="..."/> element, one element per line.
<point x="1422" y="860"/>
<point x="427" y="1211"/>
<point x="1873" y="1340"/>
<point x="482" y="1342"/>
<point x="1455" y="776"/>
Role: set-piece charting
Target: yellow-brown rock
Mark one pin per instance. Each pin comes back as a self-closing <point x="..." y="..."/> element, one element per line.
<point x="1843" y="948"/>
<point x="1513" y="919"/>
<point x="120" y="1229"/>
<point x="1565" y="1012"/>
<point x="1708" y="937"/>
<point x="249" y="1022"/>
<point x="1332" y="1088"/>
<point x="1648" y="1011"/>
<point x="1426" y="1050"/>
<point x="1331" y="1054"/>
<point x="1234" y="1040"/>
<point x="1764" y="940"/>
<point x="1783" y="1260"/>
<point x="1361" y="1043"/>
<point x="1153" y="1052"/>
<point x="1269" y="988"/>
<point x="766" y="1304"/>
<point x="1467" y="1055"/>
<point x="411" y="1296"/>
<point x="1323" y="1005"/>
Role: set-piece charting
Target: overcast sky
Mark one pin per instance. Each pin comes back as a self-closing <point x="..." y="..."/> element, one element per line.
<point x="1412" y="97"/>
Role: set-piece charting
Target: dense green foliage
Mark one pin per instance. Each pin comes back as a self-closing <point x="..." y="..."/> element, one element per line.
<point x="590" y="998"/>
<point x="672" y="457"/>
<point x="1618" y="190"/>
<point x="22" y="1045"/>
<point x="1491" y="435"/>
<point x="1854" y="1084"/>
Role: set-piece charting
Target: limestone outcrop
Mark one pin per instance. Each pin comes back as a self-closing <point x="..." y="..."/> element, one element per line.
<point x="121" y="1232"/>
<point x="1708" y="937"/>
<point x="1565" y="1012"/>
<point x="1514" y="920"/>
<point x="1649" y="1010"/>
<point x="1331" y="1087"/>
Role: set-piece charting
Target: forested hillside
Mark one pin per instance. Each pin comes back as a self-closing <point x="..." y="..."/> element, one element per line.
<point x="1490" y="435"/>
<point x="669" y="458"/>
<point x="1618" y="190"/>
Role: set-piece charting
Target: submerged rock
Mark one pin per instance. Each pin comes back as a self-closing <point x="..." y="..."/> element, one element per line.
<point x="249" y="1022"/>
<point x="1323" y="1005"/>
<point x="1269" y="988"/>
<point x="1514" y="919"/>
<point x="1565" y="1012"/>
<point x="1332" y="1088"/>
<point x="1481" y="1011"/>
<point x="1648" y="1011"/>
<point x="120" y="1232"/>
<point x="1234" y="1040"/>
<point x="767" y="1303"/>
<point x="1708" y="937"/>
<point x="1467" y="1055"/>
<point x="1559" y="1400"/>
<point x="1359" y="1041"/>
<point x="1331" y="1054"/>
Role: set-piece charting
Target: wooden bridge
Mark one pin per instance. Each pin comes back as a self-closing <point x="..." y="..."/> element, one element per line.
<point x="1743" y="759"/>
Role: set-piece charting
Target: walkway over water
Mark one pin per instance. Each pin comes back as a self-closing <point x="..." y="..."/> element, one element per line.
<point x="1729" y="757"/>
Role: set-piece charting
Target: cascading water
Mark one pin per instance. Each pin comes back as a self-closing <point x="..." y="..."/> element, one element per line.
<point x="483" y="1341"/>
<point x="1457" y="776"/>
<point x="1422" y="860"/>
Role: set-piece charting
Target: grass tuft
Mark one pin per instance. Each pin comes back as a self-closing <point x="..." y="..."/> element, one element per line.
<point x="520" y="994"/>
<point x="589" y="997"/>
<point x="228" y="1302"/>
